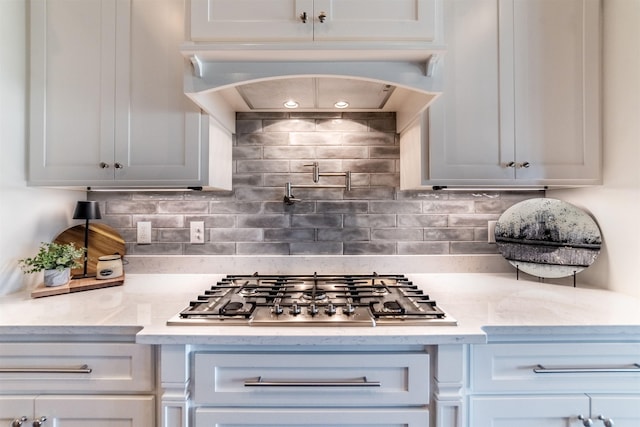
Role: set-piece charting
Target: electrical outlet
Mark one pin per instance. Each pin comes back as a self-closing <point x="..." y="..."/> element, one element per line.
<point x="197" y="232"/>
<point x="144" y="233"/>
<point x="491" y="231"/>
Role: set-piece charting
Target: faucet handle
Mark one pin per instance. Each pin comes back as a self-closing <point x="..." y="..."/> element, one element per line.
<point x="316" y="171"/>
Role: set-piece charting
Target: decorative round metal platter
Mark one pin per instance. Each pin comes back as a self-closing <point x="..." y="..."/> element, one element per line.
<point x="548" y="238"/>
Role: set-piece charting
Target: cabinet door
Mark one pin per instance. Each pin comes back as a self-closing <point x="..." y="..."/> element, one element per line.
<point x="521" y="102"/>
<point x="554" y="79"/>
<point x="72" y="91"/>
<point x="312" y="380"/>
<point x="466" y="133"/>
<point x="364" y="20"/>
<point x="251" y="20"/>
<point x="528" y="411"/>
<point x="159" y="131"/>
<point x="622" y="410"/>
<point x="76" y="367"/>
<point x="14" y="408"/>
<point x="96" y="411"/>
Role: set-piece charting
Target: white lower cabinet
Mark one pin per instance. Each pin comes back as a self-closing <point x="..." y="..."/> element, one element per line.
<point x="72" y="410"/>
<point x="554" y="384"/>
<point x="74" y="384"/>
<point x="552" y="411"/>
<point x="295" y="387"/>
<point x="528" y="411"/>
<point x="311" y="417"/>
<point x="616" y="409"/>
<point x="16" y="411"/>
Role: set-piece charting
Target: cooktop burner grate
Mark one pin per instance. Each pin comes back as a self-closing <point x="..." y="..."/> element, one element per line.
<point x="313" y="300"/>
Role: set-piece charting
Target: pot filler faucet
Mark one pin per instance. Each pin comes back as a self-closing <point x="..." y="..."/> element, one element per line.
<point x="290" y="199"/>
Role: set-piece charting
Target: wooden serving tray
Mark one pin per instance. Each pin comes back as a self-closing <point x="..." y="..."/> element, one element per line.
<point x="76" y="285"/>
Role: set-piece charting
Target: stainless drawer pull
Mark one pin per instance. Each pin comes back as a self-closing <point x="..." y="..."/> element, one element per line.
<point x="540" y="369"/>
<point x="361" y="382"/>
<point x="84" y="369"/>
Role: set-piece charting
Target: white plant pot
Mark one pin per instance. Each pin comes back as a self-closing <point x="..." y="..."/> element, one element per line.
<point x="57" y="277"/>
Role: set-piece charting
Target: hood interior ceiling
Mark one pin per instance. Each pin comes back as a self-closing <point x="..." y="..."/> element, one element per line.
<point x="321" y="94"/>
<point x="315" y="93"/>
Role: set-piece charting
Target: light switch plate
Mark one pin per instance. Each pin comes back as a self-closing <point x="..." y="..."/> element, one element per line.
<point x="197" y="232"/>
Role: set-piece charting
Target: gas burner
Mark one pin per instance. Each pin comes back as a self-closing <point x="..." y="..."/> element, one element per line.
<point x="248" y="291"/>
<point x="314" y="294"/>
<point x="379" y="290"/>
<point x="393" y="307"/>
<point x="313" y="300"/>
<point x="231" y="307"/>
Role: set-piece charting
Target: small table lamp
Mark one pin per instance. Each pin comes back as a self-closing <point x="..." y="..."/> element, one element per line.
<point x="86" y="210"/>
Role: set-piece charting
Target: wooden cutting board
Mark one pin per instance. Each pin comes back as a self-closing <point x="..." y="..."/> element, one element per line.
<point x="76" y="285"/>
<point x="103" y="240"/>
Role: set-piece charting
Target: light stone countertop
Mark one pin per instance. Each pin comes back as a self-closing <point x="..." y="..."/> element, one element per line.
<point x="487" y="306"/>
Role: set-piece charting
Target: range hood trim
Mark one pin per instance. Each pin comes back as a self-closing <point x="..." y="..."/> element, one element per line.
<point x="220" y="75"/>
<point x="419" y="79"/>
<point x="315" y="51"/>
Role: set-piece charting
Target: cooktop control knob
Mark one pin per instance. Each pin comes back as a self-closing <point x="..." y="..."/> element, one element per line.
<point x="295" y="309"/>
<point x="277" y="309"/>
<point x="348" y="309"/>
<point x="330" y="310"/>
<point x="313" y="309"/>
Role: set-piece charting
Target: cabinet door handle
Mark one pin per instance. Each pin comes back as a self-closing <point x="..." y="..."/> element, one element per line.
<point x="303" y="17"/>
<point x="608" y="422"/>
<point x="586" y="422"/>
<point x="84" y="369"/>
<point x="322" y="17"/>
<point x="18" y="421"/>
<point x="361" y="382"/>
<point x="540" y="369"/>
<point x="39" y="422"/>
<point x="104" y="165"/>
<point x="118" y="166"/>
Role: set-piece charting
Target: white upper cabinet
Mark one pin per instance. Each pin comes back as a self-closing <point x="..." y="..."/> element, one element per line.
<point x="521" y="100"/>
<point x="555" y="78"/>
<point x="314" y="20"/>
<point x="465" y="133"/>
<point x="107" y="101"/>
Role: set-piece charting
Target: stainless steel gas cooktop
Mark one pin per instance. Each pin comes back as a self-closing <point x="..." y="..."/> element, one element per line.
<point x="314" y="300"/>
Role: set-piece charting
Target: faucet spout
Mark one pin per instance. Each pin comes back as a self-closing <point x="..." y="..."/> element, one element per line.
<point x="289" y="198"/>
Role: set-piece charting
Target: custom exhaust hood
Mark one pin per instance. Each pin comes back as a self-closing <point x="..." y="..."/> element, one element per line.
<point x="404" y="82"/>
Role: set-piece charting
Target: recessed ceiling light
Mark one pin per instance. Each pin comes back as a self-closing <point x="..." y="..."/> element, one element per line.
<point x="341" y="104"/>
<point x="291" y="104"/>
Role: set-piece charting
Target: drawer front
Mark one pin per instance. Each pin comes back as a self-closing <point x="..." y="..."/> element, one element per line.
<point x="207" y="417"/>
<point x="576" y="367"/>
<point x="76" y="367"/>
<point x="317" y="379"/>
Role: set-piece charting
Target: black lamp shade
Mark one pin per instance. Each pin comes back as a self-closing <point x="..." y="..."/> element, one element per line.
<point x="87" y="210"/>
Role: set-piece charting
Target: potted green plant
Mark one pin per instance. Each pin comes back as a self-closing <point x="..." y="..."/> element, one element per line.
<point x="56" y="260"/>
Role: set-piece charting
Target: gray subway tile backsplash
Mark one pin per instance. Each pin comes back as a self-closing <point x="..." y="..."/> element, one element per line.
<point x="375" y="217"/>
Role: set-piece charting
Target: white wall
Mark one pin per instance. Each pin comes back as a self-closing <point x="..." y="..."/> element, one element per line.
<point x="616" y="205"/>
<point x="30" y="215"/>
<point x="27" y="215"/>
